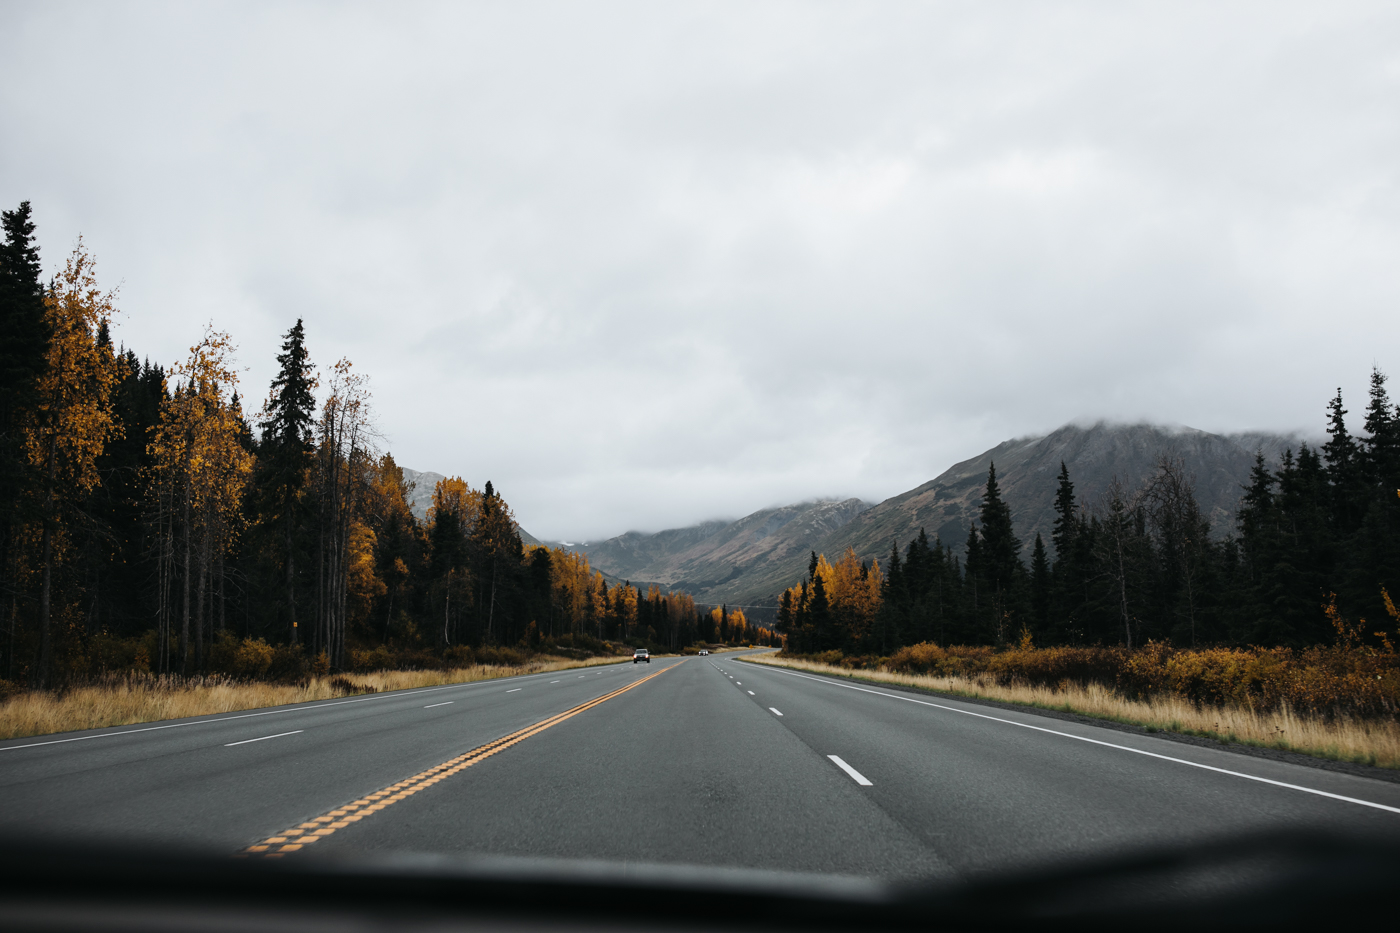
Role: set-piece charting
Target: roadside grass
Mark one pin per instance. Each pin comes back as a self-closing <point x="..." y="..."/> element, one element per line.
<point x="124" y="700"/>
<point x="1369" y="742"/>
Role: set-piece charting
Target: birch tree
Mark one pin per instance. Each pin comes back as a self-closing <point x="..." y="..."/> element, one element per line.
<point x="71" y="420"/>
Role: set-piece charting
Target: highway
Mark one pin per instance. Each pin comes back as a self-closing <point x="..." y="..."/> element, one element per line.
<point x="706" y="761"/>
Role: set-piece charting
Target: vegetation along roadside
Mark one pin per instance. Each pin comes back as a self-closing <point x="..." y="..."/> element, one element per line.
<point x="1336" y="735"/>
<point x="128" y="699"/>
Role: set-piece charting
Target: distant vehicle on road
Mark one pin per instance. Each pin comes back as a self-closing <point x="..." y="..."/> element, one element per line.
<point x="704" y="651"/>
<point x="641" y="654"/>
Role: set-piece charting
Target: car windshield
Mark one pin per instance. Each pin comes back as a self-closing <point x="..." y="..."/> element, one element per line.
<point x="982" y="416"/>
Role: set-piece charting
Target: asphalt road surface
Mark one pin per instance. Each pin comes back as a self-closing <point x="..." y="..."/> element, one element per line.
<point x="707" y="761"/>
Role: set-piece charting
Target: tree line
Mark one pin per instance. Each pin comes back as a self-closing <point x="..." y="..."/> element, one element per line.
<point x="149" y="522"/>
<point x="1312" y="555"/>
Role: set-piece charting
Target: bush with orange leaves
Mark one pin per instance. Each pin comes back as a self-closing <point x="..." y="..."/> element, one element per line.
<point x="1346" y="680"/>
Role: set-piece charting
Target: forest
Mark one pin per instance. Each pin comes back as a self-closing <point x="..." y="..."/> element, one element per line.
<point x="154" y="520"/>
<point x="1311" y="559"/>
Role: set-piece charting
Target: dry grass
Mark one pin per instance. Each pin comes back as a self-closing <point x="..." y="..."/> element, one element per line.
<point x="1372" y="742"/>
<point x="124" y="701"/>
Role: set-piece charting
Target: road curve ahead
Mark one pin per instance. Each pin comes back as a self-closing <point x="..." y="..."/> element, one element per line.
<point x="707" y="761"/>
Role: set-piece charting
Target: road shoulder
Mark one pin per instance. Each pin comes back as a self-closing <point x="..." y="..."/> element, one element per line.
<point x="1388" y="775"/>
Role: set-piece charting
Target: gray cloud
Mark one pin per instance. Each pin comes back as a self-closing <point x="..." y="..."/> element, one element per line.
<point x="642" y="264"/>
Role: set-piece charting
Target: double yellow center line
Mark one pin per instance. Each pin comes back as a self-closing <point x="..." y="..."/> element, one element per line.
<point x="302" y="835"/>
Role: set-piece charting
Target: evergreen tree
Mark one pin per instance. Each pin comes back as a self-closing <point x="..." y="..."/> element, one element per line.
<point x="1066" y="516"/>
<point x="1000" y="569"/>
<point x="287" y="453"/>
<point x="1040" y="585"/>
<point x="24" y="341"/>
<point x="820" y="616"/>
<point x="1345" y="469"/>
<point x="785" y="615"/>
<point x="1000" y="547"/>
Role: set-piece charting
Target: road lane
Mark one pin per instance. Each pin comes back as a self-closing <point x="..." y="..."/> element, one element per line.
<point x="985" y="792"/>
<point x="712" y="761"/>
<point x="684" y="769"/>
<point x="185" y="784"/>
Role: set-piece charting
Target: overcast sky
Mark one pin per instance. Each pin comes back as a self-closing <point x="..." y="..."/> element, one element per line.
<point x="646" y="264"/>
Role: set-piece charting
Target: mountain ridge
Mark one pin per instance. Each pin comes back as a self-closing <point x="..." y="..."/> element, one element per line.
<point x="713" y="562"/>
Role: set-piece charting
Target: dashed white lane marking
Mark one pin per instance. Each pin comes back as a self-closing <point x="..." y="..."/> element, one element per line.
<point x="750" y="692"/>
<point x="1121" y="748"/>
<point x="436" y="705"/>
<point x="774" y="711"/>
<point x="263" y="738"/>
<point x="581" y="676"/>
<point x="855" y="775"/>
<point x="554" y="681"/>
<point x="516" y="690"/>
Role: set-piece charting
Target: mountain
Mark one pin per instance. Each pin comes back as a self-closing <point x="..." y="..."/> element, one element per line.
<point x="420" y="498"/>
<point x="420" y="491"/>
<point x="707" y="559"/>
<point x="1027" y="471"/>
<point x="750" y="561"/>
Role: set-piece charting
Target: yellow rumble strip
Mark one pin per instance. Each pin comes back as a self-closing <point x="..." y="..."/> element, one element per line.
<point x="303" y="834"/>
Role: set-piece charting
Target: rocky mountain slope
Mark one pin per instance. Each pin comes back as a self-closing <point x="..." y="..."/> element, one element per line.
<point x="750" y="561"/>
<point x="420" y="498"/>
<point x="707" y="559"/>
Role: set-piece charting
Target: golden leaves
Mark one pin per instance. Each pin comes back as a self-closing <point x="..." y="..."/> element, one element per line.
<point x="73" y="419"/>
<point x="197" y="444"/>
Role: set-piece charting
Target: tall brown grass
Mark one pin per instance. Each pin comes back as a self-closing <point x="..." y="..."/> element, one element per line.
<point x="123" y="700"/>
<point x="1338" y="737"/>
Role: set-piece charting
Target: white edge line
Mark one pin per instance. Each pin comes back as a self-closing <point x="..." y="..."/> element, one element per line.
<point x="436" y="705"/>
<point x="264" y="737"/>
<point x="274" y="712"/>
<point x="856" y="776"/>
<point x="774" y="711"/>
<point x="1124" y="748"/>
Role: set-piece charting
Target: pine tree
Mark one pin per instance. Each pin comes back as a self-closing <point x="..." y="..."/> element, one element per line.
<point x="1345" y="468"/>
<point x="1002" y="570"/>
<point x="288" y="453"/>
<point x="820" y="616"/>
<point x="1066" y="516"/>
<point x="1000" y="545"/>
<point x="24" y="342"/>
<point x="1382" y="448"/>
<point x="1040" y="585"/>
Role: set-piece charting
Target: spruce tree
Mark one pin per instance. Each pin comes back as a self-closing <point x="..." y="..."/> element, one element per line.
<point x="820" y="615"/>
<point x="1000" y="548"/>
<point x="1383" y="446"/>
<point x="784" y="620"/>
<point x="1040" y="585"/>
<point x="1344" y="468"/>
<point x="288" y="452"/>
<point x="894" y="601"/>
<point x="24" y="340"/>
<point x="1066" y="517"/>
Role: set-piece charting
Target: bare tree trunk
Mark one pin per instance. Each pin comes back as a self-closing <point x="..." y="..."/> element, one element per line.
<point x="1123" y="597"/>
<point x="291" y="597"/>
<point x="491" y="612"/>
<point x="46" y="584"/>
<point x="223" y="602"/>
<point x="199" y="602"/>
<point x="185" y="616"/>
